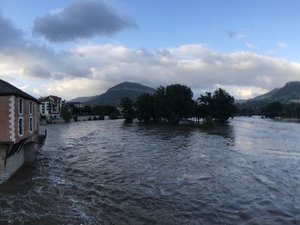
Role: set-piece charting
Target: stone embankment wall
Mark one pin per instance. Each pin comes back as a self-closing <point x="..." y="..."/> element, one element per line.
<point x="26" y="155"/>
<point x="12" y="164"/>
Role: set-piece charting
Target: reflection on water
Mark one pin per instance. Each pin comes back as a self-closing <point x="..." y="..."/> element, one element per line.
<point x="105" y="172"/>
<point x="256" y="136"/>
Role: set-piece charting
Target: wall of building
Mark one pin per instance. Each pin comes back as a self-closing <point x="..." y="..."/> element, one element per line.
<point x="10" y="115"/>
<point x="12" y="164"/>
<point x="9" y="133"/>
<point x="37" y="117"/>
<point x="44" y="108"/>
<point x="51" y="106"/>
<point x="4" y="118"/>
<point x="27" y="155"/>
<point x="26" y="115"/>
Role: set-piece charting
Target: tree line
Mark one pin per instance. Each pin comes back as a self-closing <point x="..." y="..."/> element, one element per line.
<point x="277" y="109"/>
<point x="97" y="112"/>
<point x="271" y="109"/>
<point x="174" y="103"/>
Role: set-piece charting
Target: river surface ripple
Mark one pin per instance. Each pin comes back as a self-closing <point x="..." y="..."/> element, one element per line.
<point x="105" y="172"/>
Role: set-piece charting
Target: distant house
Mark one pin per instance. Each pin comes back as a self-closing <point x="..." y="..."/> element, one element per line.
<point x="51" y="106"/>
<point x="75" y="104"/>
<point x="19" y="126"/>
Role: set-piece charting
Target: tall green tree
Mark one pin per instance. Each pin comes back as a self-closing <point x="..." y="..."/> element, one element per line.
<point x="179" y="102"/>
<point x="105" y="110"/>
<point x="219" y="105"/>
<point x="159" y="106"/>
<point x="145" y="108"/>
<point x="127" y="109"/>
<point x="223" y="105"/>
<point x="203" y="106"/>
<point x="272" y="109"/>
<point x="168" y="104"/>
<point x="66" y="114"/>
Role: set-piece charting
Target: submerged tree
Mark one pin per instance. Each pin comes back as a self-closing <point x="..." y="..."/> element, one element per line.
<point x="272" y="109"/>
<point x="223" y="105"/>
<point x="127" y="109"/>
<point x="179" y="100"/>
<point x="145" y="108"/>
<point x="203" y="106"/>
<point x="175" y="102"/>
<point x="66" y="114"/>
<point x="160" y="107"/>
<point x="218" y="105"/>
<point x="168" y="104"/>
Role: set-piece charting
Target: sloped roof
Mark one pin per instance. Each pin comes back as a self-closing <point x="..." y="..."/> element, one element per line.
<point x="50" y="98"/>
<point x="55" y="97"/>
<point x="8" y="89"/>
<point x="45" y="99"/>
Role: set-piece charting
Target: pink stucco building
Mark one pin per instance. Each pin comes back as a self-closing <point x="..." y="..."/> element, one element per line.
<point x="19" y="125"/>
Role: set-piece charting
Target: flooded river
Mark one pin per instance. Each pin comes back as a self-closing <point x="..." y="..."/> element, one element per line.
<point x="105" y="172"/>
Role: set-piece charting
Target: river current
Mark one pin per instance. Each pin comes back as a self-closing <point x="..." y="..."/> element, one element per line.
<point x="105" y="172"/>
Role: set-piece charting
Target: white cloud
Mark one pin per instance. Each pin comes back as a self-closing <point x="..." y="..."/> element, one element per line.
<point x="81" y="86"/>
<point x="243" y="92"/>
<point x="36" y="91"/>
<point x="24" y="87"/>
<point x="91" y="69"/>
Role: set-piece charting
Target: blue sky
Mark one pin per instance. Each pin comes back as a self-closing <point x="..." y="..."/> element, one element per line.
<point x="82" y="47"/>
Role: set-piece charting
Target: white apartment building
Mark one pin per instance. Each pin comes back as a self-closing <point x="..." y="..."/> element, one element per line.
<point x="51" y="106"/>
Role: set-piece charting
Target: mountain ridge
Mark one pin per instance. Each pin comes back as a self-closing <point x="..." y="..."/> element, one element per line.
<point x="288" y="93"/>
<point x="113" y="95"/>
<point x="83" y="99"/>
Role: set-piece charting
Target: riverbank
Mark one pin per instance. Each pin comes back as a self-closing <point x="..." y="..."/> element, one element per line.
<point x="294" y="120"/>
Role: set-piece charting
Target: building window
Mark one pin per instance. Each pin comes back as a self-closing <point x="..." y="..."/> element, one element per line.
<point x="20" y="106"/>
<point x="30" y="107"/>
<point x="30" y="124"/>
<point x="21" y="126"/>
